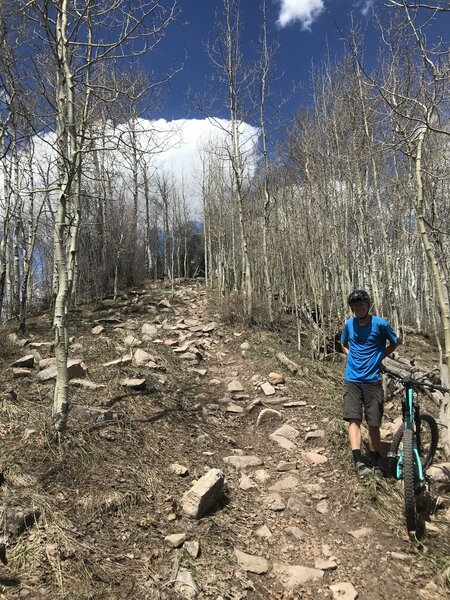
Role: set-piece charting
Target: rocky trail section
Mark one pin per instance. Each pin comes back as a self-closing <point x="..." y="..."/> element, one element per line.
<point x="212" y="468"/>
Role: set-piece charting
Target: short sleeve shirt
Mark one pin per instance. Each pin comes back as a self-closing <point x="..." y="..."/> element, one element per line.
<point x="366" y="345"/>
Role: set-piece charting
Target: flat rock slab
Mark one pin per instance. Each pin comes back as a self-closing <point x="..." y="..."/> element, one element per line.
<point x="97" y="330"/>
<point x="296" y="533"/>
<point x="287" y="432"/>
<point x="282" y="442"/>
<point x="75" y="368"/>
<point x="264" y="532"/>
<point x="180" y="470"/>
<point x="232" y="407"/>
<point x="175" y="540"/>
<point x="26" y="362"/>
<point x="125" y="360"/>
<point x="343" y="591"/>
<point x="267" y="415"/>
<point x="192" y="548"/>
<point x="286" y="484"/>
<point x="291" y="576"/>
<point x="235" y="386"/>
<point x="185" y="584"/>
<point x="21" y="372"/>
<point x="133" y="383"/>
<point x="268" y="389"/>
<point x="243" y="462"/>
<point x="251" y="563"/>
<point x="440" y="472"/>
<point x="86" y="384"/>
<point x="314" y="458"/>
<point x="325" y="565"/>
<point x="294" y="403"/>
<point x="359" y="534"/>
<point x="274" y="502"/>
<point x="204" y="494"/>
<point x="245" y="483"/>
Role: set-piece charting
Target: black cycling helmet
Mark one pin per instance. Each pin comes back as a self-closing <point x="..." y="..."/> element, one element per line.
<point x="359" y="296"/>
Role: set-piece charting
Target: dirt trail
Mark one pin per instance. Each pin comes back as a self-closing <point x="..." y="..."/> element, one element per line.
<point x="108" y="496"/>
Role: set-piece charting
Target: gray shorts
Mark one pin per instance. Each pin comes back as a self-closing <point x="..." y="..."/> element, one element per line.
<point x="365" y="397"/>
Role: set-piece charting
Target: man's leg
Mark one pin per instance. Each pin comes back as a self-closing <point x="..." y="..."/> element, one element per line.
<point x="353" y="415"/>
<point x="373" y="401"/>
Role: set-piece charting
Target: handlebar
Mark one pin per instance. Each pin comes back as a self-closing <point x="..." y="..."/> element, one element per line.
<point x="413" y="383"/>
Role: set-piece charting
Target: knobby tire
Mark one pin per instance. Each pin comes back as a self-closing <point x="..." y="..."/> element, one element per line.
<point x="409" y="480"/>
<point x="427" y="458"/>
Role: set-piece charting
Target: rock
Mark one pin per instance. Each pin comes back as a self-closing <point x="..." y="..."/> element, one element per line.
<point x="185" y="584"/>
<point x="268" y="389"/>
<point x="204" y="494"/>
<point x="322" y="507"/>
<point x="325" y="565"/>
<point x="244" y="346"/>
<point x="400" y="556"/>
<point x="358" y="534"/>
<point x="276" y="378"/>
<point x="75" y="368"/>
<point x="215" y="382"/>
<point x="246" y="483"/>
<point x="26" y="362"/>
<point x="86" y="384"/>
<point x="283" y="442"/>
<point x="175" y="540"/>
<point x="287" y="466"/>
<point x="125" y="360"/>
<point x="97" y="330"/>
<point x="232" y="407"/>
<point x="267" y="415"/>
<point x="294" y="404"/>
<point x="296" y="533"/>
<point x="287" y="432"/>
<point x="141" y="357"/>
<point x="21" y="372"/>
<point x="201" y="372"/>
<point x="287" y="484"/>
<point x="251" y="563"/>
<point x="243" y="462"/>
<point x="192" y="548"/>
<point x="314" y="458"/>
<point x="149" y="332"/>
<point x="164" y="303"/>
<point x="292" y="576"/>
<point x="133" y="383"/>
<point x="295" y="505"/>
<point x="209" y="327"/>
<point x="261" y="475"/>
<point x="274" y="502"/>
<point x="313" y="435"/>
<point x="89" y="413"/>
<point x="180" y="470"/>
<point x="343" y="591"/>
<point x="251" y="405"/>
<point x="440" y="472"/>
<point x="235" y="386"/>
<point x="264" y="532"/>
<point x="130" y="341"/>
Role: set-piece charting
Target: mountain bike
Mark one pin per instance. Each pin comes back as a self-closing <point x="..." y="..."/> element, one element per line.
<point x="413" y="447"/>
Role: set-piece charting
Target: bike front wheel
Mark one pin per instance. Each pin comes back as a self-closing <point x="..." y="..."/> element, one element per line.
<point x="429" y="437"/>
<point x="408" y="481"/>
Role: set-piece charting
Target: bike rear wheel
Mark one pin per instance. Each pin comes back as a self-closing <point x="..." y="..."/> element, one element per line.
<point x="429" y="436"/>
<point x="409" y="481"/>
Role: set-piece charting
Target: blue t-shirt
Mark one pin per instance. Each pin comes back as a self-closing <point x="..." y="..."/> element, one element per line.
<point x="366" y="345"/>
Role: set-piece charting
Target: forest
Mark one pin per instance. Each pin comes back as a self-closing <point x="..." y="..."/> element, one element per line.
<point x="353" y="193"/>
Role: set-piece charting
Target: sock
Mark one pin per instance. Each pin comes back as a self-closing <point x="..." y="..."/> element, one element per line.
<point x="374" y="458"/>
<point x="357" y="456"/>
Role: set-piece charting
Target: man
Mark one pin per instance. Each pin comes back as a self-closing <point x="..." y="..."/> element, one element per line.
<point x="364" y="341"/>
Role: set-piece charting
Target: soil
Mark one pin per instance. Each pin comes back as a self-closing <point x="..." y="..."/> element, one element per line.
<point x="102" y="498"/>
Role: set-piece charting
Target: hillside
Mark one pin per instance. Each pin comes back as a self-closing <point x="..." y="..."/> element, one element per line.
<point x="170" y="393"/>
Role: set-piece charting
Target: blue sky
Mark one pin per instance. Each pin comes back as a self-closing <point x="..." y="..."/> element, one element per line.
<point x="304" y="29"/>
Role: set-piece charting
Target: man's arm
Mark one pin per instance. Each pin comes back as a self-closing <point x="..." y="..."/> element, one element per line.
<point x="390" y="349"/>
<point x="344" y="349"/>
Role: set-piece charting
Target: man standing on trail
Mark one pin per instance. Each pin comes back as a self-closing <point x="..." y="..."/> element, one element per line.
<point x="363" y="341"/>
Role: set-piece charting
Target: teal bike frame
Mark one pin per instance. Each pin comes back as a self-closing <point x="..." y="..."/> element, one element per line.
<point x="408" y="417"/>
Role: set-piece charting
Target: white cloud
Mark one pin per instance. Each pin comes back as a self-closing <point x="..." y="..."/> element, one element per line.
<point x="365" y="6"/>
<point x="305" y="11"/>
